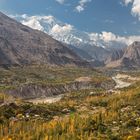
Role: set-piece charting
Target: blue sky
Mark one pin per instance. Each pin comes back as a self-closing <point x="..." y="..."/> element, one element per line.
<point x="116" y="16"/>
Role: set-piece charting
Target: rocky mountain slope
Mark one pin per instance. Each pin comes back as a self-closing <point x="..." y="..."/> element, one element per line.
<point x="92" y="53"/>
<point x="114" y="55"/>
<point x="130" y="58"/>
<point x="96" y="46"/>
<point x="21" y="45"/>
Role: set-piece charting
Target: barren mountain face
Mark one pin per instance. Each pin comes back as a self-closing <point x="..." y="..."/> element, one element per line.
<point x="21" y="45"/>
<point x="130" y="57"/>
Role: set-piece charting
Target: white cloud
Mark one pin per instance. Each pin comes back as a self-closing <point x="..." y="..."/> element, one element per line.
<point x="33" y="23"/>
<point x="135" y="10"/>
<point x="60" y="1"/>
<point x="81" y="7"/>
<point x="126" y="2"/>
<point x="107" y="39"/>
<point x="62" y="29"/>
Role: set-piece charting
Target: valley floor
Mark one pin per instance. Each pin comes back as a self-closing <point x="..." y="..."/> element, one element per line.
<point x="95" y="113"/>
<point x="119" y="80"/>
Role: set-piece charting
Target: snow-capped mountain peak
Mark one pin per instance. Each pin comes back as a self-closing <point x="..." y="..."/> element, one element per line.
<point x="67" y="33"/>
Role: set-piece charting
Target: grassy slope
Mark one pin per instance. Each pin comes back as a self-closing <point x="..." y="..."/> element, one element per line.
<point x="43" y="74"/>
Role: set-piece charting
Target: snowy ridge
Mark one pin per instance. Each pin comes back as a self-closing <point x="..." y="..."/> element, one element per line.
<point x="67" y="33"/>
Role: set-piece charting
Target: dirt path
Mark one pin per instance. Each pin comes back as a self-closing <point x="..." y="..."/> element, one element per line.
<point x="124" y="80"/>
<point x="46" y="99"/>
<point x="120" y="83"/>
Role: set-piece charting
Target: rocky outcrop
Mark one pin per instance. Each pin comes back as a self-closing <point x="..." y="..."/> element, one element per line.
<point x="130" y="58"/>
<point x="115" y="55"/>
<point x="31" y="91"/>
